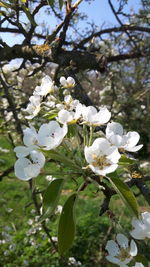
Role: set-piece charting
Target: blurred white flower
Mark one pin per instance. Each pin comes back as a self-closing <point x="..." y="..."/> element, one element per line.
<point x="73" y="261"/>
<point x="141" y="227"/>
<point x="115" y="134"/>
<point x="138" y="264"/>
<point x="4" y="150"/>
<point x="91" y="116"/>
<point x="67" y="83"/>
<point x="34" y="107"/>
<point x="30" y="136"/>
<point x="26" y="169"/>
<point x="65" y="116"/>
<point x="50" y="178"/>
<point x="30" y="222"/>
<point x="69" y="103"/>
<point x="120" y="252"/>
<point x="102" y="156"/>
<point x="50" y="135"/>
<point x="47" y="86"/>
<point x="58" y="209"/>
<point x="54" y="239"/>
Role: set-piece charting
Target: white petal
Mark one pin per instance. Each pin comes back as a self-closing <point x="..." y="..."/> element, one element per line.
<point x="113" y="259"/>
<point x="88" y="113"/>
<point x="114" y="128"/>
<point x="35" y="100"/>
<point x="30" y="136"/>
<point x="132" y="138"/>
<point x="133" y="248"/>
<point x="133" y="149"/>
<point x="113" y="154"/>
<point x="117" y="140"/>
<point x="102" y="145"/>
<point x="20" y="166"/>
<point x="103" y="116"/>
<point x="138" y="234"/>
<point x="122" y="241"/>
<point x="33" y="170"/>
<point x="138" y="264"/>
<point x="105" y="170"/>
<point x="22" y="151"/>
<point x="62" y="80"/>
<point x="146" y="218"/>
<point x="70" y="80"/>
<point x="64" y="116"/>
<point x="112" y="248"/>
<point x="38" y="157"/>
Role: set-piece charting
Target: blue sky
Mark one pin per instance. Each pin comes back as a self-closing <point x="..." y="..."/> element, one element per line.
<point x="98" y="11"/>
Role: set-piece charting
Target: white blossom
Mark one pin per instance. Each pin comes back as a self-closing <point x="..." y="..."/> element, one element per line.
<point x="121" y="252"/>
<point x="102" y="156"/>
<point x="141" y="227"/>
<point x="47" y="86"/>
<point x="58" y="209"/>
<point x="50" y="178"/>
<point x="34" y="107"/>
<point x="115" y="134"/>
<point x="50" y="135"/>
<point x="91" y="116"/>
<point x="67" y="83"/>
<point x="138" y="264"/>
<point x="25" y="169"/>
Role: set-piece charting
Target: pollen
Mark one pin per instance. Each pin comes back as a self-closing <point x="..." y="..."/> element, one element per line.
<point x="100" y="161"/>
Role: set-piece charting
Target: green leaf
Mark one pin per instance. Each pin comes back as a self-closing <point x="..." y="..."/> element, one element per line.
<point x="51" y="195"/>
<point x="67" y="162"/>
<point x="29" y="16"/>
<point x="125" y="193"/>
<point x="61" y="2"/>
<point x="23" y="1"/>
<point x="126" y="161"/>
<point x="50" y="2"/>
<point x="66" y="228"/>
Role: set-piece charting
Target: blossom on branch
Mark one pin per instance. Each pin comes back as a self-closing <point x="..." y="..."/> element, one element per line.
<point x="102" y="156"/>
<point x="115" y="134"/>
<point x="50" y="135"/>
<point x="91" y="116"/>
<point x="34" y="107"/>
<point x="25" y="169"/>
<point x="67" y="83"/>
<point x="47" y="86"/>
<point x="121" y="252"/>
<point x="141" y="227"/>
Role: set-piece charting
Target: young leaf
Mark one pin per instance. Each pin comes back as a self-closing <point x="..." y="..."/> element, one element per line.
<point x="50" y="2"/>
<point x="5" y="5"/>
<point x="51" y="195"/>
<point x="126" y="161"/>
<point x="29" y="16"/>
<point x="67" y="162"/>
<point x="66" y="228"/>
<point x="125" y="193"/>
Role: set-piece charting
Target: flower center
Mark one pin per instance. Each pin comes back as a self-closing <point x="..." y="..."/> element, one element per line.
<point x="124" y="254"/>
<point x="100" y="161"/>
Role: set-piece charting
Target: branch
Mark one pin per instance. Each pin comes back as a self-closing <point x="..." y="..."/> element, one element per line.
<point x="80" y="60"/>
<point x="123" y="28"/>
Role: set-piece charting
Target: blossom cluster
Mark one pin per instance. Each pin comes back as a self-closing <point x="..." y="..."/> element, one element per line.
<point x="102" y="154"/>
